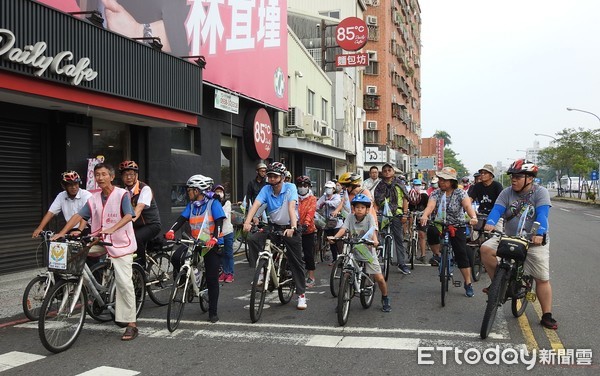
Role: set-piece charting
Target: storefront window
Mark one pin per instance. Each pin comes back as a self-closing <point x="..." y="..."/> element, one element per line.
<point x="111" y="140"/>
<point x="318" y="177"/>
<point x="186" y="139"/>
<point x="229" y="167"/>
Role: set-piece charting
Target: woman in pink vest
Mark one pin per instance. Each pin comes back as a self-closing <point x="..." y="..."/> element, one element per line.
<point x="111" y="214"/>
<point x="205" y="216"/>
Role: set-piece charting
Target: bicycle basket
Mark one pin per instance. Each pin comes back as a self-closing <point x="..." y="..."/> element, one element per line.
<point x="362" y="253"/>
<point x="331" y="223"/>
<point x="64" y="258"/>
<point x="512" y="248"/>
<point x="320" y="221"/>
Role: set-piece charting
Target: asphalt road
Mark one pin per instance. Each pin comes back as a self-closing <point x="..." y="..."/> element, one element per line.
<point x="286" y="340"/>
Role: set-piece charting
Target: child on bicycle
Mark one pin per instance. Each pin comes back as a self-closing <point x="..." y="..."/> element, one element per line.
<point x="358" y="224"/>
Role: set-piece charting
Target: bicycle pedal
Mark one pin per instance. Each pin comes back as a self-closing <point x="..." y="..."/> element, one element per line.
<point x="457" y="283"/>
<point x="531" y="296"/>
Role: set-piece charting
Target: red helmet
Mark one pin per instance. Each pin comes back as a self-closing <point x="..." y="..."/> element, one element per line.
<point x="523" y="166"/>
<point x="300" y="180"/>
<point x="128" y="165"/>
<point x="70" y="177"/>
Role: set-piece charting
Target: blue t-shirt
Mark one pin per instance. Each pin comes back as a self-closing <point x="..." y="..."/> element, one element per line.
<point x="277" y="206"/>
<point x="216" y="209"/>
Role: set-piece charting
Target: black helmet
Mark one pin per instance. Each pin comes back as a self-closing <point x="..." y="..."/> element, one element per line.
<point x="276" y="168"/>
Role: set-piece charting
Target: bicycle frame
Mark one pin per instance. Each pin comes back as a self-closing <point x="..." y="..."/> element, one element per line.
<point x="356" y="268"/>
<point x="272" y="267"/>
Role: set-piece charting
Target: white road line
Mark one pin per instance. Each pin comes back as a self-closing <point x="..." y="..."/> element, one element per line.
<point x="563" y="209"/>
<point x="592" y="215"/>
<point x="108" y="371"/>
<point x="16" y="358"/>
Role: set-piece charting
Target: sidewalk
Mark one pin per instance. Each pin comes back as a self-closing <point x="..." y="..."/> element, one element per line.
<point x="576" y="200"/>
<point x="11" y="293"/>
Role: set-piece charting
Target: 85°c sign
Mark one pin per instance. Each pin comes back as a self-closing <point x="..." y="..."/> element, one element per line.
<point x="351" y="34"/>
<point x="258" y="133"/>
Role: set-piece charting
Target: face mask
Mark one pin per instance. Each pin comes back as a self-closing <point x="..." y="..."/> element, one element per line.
<point x="302" y="191"/>
<point x="199" y="203"/>
<point x="328" y="191"/>
<point x="219" y="196"/>
<point x="434" y="185"/>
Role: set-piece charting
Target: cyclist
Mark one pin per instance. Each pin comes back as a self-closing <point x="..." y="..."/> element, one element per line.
<point x="205" y="215"/>
<point x="227" y="255"/>
<point x="457" y="203"/>
<point x="307" y="207"/>
<point x="392" y="189"/>
<point x="417" y="201"/>
<point x="358" y="224"/>
<point x="256" y="184"/>
<point x="487" y="191"/>
<point x="465" y="184"/>
<point x="288" y="177"/>
<point x="373" y="179"/>
<point x="509" y="205"/>
<point x="434" y="185"/>
<point x="68" y="202"/>
<point x="328" y="204"/>
<point x="146" y="222"/>
<point x="280" y="199"/>
<point x="111" y="215"/>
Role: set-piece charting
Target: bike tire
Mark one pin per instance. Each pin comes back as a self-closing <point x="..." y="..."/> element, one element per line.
<point x="58" y="328"/>
<point x="160" y="279"/>
<point x="344" y="298"/>
<point x="367" y="291"/>
<point x="286" y="282"/>
<point x="33" y="297"/>
<point x="493" y="302"/>
<point x="477" y="266"/>
<point x="178" y="299"/>
<point x="413" y="251"/>
<point x="336" y="276"/>
<point x="259" y="291"/>
<point x="519" y="302"/>
<point x="444" y="274"/>
<point x="105" y="276"/>
<point x="203" y="298"/>
<point x="387" y="251"/>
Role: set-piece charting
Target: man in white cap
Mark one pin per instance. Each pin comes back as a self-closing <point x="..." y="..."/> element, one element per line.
<point x="486" y="191"/>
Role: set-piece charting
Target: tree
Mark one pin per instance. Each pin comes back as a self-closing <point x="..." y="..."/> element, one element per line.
<point x="450" y="159"/>
<point x="444" y="136"/>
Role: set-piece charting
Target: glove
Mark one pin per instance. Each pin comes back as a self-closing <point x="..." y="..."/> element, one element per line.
<point x="211" y="243"/>
<point x="170" y="235"/>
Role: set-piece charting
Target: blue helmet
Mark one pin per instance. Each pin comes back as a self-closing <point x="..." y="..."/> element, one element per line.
<point x="417" y="182"/>
<point x="361" y="199"/>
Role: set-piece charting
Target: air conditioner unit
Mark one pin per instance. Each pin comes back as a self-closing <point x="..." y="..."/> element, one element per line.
<point x="371" y="125"/>
<point x="372" y="90"/>
<point x="294" y="117"/>
<point x="326" y="132"/>
<point x="316" y="131"/>
<point x="372" y="20"/>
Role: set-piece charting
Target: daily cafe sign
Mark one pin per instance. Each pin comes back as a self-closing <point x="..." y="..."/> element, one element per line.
<point x="33" y="55"/>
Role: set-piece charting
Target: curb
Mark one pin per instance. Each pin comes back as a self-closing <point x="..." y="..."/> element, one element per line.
<point x="576" y="201"/>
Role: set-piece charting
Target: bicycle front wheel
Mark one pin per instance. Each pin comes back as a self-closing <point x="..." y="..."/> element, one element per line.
<point x="477" y="266"/>
<point x="139" y="287"/>
<point x="493" y="302"/>
<point x="367" y="291"/>
<point x="335" y="276"/>
<point x="33" y="297"/>
<point x="519" y="300"/>
<point x="259" y="290"/>
<point x="412" y="252"/>
<point x="387" y="256"/>
<point x="178" y="299"/>
<point x="203" y="293"/>
<point x="59" y="326"/>
<point x="286" y="282"/>
<point x="160" y="278"/>
<point x="444" y="274"/>
<point x="344" y="299"/>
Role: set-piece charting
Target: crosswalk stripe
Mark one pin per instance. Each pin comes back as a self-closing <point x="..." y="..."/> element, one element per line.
<point x="108" y="371"/>
<point x="16" y="358"/>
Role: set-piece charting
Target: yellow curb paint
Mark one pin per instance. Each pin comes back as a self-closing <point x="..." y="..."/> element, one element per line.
<point x="555" y="341"/>
<point x="530" y="341"/>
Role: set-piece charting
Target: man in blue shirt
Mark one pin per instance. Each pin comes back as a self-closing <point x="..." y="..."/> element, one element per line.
<point x="281" y="199"/>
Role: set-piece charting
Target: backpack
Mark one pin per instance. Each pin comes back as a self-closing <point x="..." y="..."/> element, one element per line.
<point x="414" y="197"/>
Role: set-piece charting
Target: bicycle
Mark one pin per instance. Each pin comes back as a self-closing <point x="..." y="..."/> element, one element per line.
<point x="272" y="272"/>
<point x="446" y="267"/>
<point x="354" y="278"/>
<point x="510" y="281"/>
<point x="241" y="240"/>
<point x="159" y="271"/>
<point x="38" y="287"/>
<point x="385" y="250"/>
<point x="478" y="237"/>
<point x="192" y="273"/>
<point x="76" y="292"/>
<point x="413" y="239"/>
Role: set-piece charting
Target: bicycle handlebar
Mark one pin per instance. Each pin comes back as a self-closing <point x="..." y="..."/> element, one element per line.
<point x="348" y="240"/>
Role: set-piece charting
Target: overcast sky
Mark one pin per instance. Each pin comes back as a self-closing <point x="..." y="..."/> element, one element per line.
<point x="494" y="73"/>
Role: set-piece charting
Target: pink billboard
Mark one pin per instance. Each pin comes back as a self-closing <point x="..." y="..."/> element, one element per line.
<point x="244" y="42"/>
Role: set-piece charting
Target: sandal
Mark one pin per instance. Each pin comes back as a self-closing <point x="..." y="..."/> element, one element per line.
<point x="130" y="333"/>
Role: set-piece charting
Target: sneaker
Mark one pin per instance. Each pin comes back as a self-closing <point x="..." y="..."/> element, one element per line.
<point x="301" y="302"/>
<point x="385" y="302"/>
<point x="222" y="277"/>
<point x="435" y="260"/>
<point x="421" y="259"/>
<point x="469" y="293"/>
<point x="310" y="282"/>
<point x="229" y="278"/>
<point x="402" y="268"/>
<point x="213" y="318"/>
<point x="548" y="322"/>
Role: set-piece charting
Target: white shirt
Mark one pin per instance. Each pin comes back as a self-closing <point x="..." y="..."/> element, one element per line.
<point x="370" y="184"/>
<point x="145" y="196"/>
<point x="227" y="226"/>
<point x="62" y="203"/>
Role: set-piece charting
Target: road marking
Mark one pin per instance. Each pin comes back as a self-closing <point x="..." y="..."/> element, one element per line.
<point x="526" y="330"/>
<point x="349" y="342"/>
<point x="555" y="341"/>
<point x="563" y="209"/>
<point x="16" y="358"/>
<point x="108" y="371"/>
<point x="592" y="215"/>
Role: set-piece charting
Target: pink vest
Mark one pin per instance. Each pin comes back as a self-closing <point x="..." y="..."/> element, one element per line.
<point x="123" y="240"/>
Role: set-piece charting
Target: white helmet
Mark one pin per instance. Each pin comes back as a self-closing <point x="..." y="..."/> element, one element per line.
<point x="201" y="182"/>
<point x="330" y="184"/>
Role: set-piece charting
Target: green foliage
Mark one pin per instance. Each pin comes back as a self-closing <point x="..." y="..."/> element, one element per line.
<point x="444" y="136"/>
<point x="576" y="152"/>
<point x="450" y="159"/>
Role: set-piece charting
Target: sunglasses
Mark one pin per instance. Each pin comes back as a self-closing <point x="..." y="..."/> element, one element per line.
<point x="518" y="176"/>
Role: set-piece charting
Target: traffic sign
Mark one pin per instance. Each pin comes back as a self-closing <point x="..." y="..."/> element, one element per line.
<point x="594" y="175"/>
